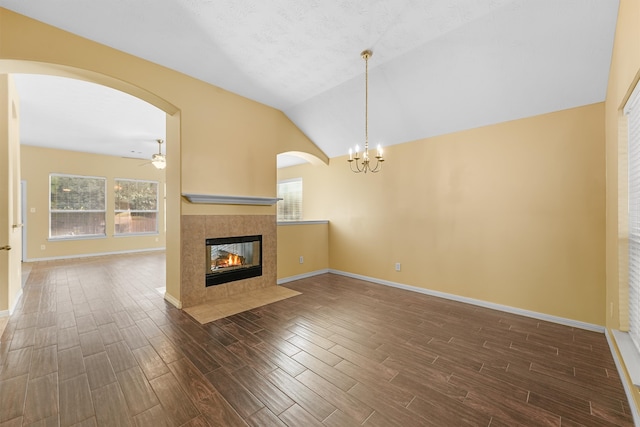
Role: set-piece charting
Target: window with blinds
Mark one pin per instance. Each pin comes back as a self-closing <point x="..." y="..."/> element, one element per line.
<point x="290" y="207"/>
<point x="77" y="206"/>
<point x="632" y="111"/>
<point x="136" y="207"/>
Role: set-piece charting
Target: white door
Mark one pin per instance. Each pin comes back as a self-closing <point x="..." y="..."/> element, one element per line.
<point x="10" y="206"/>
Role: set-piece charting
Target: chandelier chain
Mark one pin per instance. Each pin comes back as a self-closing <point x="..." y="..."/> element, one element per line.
<point x="366" y="56"/>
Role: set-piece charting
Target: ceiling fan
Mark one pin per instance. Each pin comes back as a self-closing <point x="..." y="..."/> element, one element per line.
<point x="159" y="160"/>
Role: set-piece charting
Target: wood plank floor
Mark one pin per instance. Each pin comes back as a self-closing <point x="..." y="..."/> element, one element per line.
<point x="93" y="343"/>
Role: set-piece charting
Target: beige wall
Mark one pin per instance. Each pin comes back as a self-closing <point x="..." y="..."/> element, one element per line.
<point x="310" y="241"/>
<point x="624" y="73"/>
<point x="38" y="163"/>
<point x="512" y="214"/>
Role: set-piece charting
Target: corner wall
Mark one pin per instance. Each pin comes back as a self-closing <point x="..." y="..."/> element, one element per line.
<point x="307" y="240"/>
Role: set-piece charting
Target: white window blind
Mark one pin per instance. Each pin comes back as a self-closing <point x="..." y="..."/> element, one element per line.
<point x="632" y="111"/>
<point x="290" y="207"/>
<point x="77" y="206"/>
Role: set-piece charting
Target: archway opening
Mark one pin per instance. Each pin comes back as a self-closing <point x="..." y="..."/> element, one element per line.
<point x="171" y="134"/>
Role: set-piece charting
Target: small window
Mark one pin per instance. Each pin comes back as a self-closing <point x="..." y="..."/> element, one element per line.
<point x="290" y="207"/>
<point x="136" y="207"/>
<point x="76" y="206"/>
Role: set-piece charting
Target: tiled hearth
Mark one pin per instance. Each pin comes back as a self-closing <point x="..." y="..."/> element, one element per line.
<point x="195" y="229"/>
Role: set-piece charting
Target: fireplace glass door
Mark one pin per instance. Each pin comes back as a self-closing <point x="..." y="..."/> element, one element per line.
<point x="233" y="258"/>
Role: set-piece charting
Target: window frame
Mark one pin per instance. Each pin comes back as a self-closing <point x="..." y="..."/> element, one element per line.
<point x="629" y="342"/>
<point x="103" y="211"/>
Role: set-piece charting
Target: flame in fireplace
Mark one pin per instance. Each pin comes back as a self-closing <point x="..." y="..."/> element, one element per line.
<point x="233" y="260"/>
<point x="228" y="260"/>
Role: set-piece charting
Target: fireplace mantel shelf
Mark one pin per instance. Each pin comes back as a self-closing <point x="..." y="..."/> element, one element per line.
<point x="230" y="200"/>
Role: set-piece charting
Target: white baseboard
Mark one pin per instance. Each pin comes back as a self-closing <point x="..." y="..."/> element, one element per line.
<point x="15" y="302"/>
<point x="613" y="342"/>
<point x="7" y="313"/>
<point x="486" y="304"/>
<point x="94" y="255"/>
<point x="174" y="301"/>
<point x="301" y="276"/>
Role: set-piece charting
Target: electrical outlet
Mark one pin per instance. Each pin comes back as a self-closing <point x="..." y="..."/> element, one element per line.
<point x="32" y="210"/>
<point x="397" y="266"/>
<point x="301" y="260"/>
<point x="43" y="247"/>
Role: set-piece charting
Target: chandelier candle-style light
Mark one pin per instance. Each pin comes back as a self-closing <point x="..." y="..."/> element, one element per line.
<point x="365" y="165"/>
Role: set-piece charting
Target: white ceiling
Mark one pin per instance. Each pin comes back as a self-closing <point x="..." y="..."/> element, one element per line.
<point x="438" y="66"/>
<point x="80" y="116"/>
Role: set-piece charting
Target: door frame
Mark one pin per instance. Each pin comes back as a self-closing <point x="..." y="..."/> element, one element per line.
<point x="23" y="208"/>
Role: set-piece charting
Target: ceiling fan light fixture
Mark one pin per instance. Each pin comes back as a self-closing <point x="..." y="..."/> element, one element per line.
<point x="159" y="160"/>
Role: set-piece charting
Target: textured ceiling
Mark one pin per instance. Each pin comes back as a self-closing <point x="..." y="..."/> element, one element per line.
<point x="438" y="66"/>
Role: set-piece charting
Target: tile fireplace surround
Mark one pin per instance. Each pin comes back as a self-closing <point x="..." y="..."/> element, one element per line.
<point x="195" y="229"/>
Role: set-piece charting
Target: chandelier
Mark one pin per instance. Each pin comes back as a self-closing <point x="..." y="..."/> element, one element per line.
<point x="363" y="162"/>
<point x="159" y="160"/>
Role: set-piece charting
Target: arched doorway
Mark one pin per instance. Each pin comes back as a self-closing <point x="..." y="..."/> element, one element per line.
<point x="10" y="286"/>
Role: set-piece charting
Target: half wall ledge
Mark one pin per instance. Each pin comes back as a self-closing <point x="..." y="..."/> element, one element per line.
<point x="230" y="200"/>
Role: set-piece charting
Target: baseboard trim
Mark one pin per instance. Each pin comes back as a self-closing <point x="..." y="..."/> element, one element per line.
<point x="615" y="352"/>
<point x="174" y="301"/>
<point x="12" y="309"/>
<point x="301" y="276"/>
<point x="94" y="255"/>
<point x="480" y="303"/>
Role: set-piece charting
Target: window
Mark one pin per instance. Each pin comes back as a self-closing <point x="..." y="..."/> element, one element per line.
<point x="632" y="111"/>
<point x="136" y="207"/>
<point x="77" y="206"/>
<point x="290" y="207"/>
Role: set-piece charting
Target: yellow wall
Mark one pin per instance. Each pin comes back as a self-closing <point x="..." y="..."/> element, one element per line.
<point x="624" y="73"/>
<point x="512" y="214"/>
<point x="38" y="163"/>
<point x="310" y="241"/>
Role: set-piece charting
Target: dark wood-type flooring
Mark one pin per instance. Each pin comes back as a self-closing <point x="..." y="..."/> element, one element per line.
<point x="93" y="343"/>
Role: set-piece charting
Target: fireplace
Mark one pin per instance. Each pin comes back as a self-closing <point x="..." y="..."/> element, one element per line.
<point x="233" y="258"/>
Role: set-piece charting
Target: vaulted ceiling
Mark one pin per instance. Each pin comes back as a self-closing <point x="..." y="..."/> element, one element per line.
<point x="438" y="66"/>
